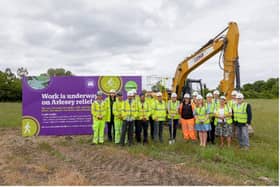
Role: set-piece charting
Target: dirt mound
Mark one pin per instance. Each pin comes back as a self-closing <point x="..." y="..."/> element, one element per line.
<point x="71" y="161"/>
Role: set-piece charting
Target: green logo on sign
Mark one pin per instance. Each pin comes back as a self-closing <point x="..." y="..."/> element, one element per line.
<point x="130" y="85"/>
<point x="30" y="126"/>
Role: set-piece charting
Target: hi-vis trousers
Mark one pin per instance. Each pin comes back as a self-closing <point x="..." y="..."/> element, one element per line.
<point x="188" y="128"/>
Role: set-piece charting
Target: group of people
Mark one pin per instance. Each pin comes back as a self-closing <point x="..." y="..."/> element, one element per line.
<point x="129" y="120"/>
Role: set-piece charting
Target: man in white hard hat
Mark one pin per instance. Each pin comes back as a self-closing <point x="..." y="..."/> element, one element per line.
<point x="187" y="118"/>
<point x="137" y="121"/>
<point x="173" y="116"/>
<point x="233" y="99"/>
<point x="151" y="100"/>
<point x="118" y="120"/>
<point x="159" y="115"/>
<point x="242" y="118"/>
<point x="210" y="106"/>
<point x="231" y="103"/>
<point x="98" y="110"/>
<point x="110" y="116"/>
<point x="216" y="94"/>
<point x="129" y="113"/>
<point x="143" y="113"/>
<point x="194" y="98"/>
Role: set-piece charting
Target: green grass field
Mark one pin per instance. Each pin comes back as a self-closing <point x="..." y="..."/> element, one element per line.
<point x="231" y="165"/>
<point x="10" y="114"/>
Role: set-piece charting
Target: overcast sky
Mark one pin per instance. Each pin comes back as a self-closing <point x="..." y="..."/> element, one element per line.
<point x="135" y="37"/>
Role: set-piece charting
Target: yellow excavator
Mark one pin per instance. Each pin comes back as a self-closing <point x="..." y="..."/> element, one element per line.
<point x="227" y="44"/>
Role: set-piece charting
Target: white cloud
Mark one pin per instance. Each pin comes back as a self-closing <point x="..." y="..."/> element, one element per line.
<point x="142" y="37"/>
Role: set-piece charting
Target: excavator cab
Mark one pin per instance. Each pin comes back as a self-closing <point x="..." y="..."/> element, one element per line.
<point x="192" y="85"/>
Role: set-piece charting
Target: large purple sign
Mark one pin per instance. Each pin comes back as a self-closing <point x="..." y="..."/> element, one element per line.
<point x="62" y="105"/>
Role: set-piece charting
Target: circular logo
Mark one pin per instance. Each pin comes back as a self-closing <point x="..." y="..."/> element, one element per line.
<point x="30" y="126"/>
<point x="108" y="83"/>
<point x="130" y="85"/>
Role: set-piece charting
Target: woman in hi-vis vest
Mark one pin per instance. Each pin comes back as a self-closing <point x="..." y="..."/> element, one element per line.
<point x="187" y="118"/>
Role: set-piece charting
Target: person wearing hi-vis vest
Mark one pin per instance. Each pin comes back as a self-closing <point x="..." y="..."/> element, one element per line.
<point x="216" y="99"/>
<point x="209" y="104"/>
<point x="159" y="115"/>
<point x="186" y="111"/>
<point x="118" y="119"/>
<point x="233" y="100"/>
<point x="202" y="122"/>
<point x="129" y="114"/>
<point x="136" y="98"/>
<point x="110" y="116"/>
<point x="143" y="115"/>
<point x="223" y="121"/>
<point x="231" y="103"/>
<point x="242" y="118"/>
<point x="194" y="100"/>
<point x="173" y="117"/>
<point x="150" y="99"/>
<point x="98" y="110"/>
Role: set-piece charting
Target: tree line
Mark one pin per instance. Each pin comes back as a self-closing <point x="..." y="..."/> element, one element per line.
<point x="10" y="85"/>
<point x="262" y="89"/>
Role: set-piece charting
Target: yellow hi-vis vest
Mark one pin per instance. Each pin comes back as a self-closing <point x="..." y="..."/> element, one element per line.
<point x="99" y="110"/>
<point x="137" y="98"/>
<point x="117" y="109"/>
<point x="211" y="109"/>
<point x="130" y="111"/>
<point x="143" y="110"/>
<point x="240" y="114"/>
<point x="201" y="114"/>
<point x="231" y="104"/>
<point x="173" y="109"/>
<point x="108" y="103"/>
<point x="227" y="111"/>
<point x="151" y="103"/>
<point x="159" y="110"/>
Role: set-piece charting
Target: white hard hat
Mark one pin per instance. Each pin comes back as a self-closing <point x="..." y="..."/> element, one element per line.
<point x="216" y="92"/>
<point x="194" y="94"/>
<point x="99" y="93"/>
<point x="209" y="95"/>
<point x="234" y="92"/>
<point x="129" y="93"/>
<point x="223" y="97"/>
<point x="159" y="94"/>
<point x="239" y="96"/>
<point x="112" y="91"/>
<point x="173" y="95"/>
<point x="199" y="97"/>
<point x="134" y="91"/>
<point x="187" y="95"/>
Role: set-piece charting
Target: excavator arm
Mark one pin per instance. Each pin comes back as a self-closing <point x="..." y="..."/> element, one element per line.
<point x="227" y="44"/>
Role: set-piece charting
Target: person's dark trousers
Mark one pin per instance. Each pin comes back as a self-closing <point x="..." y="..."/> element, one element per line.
<point x="144" y="128"/>
<point x="138" y="130"/>
<point x="127" y="128"/>
<point x="211" y="134"/>
<point x="111" y="126"/>
<point x="158" y="128"/>
<point x="175" y="125"/>
<point x="151" y="121"/>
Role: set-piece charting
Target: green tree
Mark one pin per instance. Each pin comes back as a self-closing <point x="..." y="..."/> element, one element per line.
<point x="58" y="72"/>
